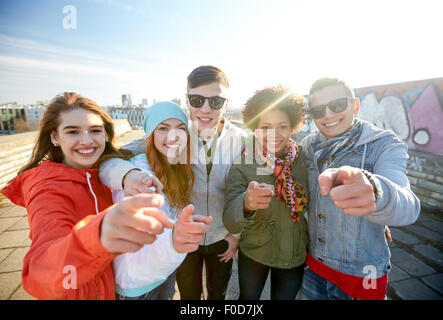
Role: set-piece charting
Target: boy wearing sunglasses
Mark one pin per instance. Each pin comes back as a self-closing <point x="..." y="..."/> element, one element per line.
<point x="358" y="185"/>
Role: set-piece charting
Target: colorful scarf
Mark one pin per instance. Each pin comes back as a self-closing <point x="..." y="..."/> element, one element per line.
<point x="287" y="188"/>
<point x="332" y="148"/>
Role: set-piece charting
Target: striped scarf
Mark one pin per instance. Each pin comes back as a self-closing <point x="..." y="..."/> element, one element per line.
<point x="332" y="148"/>
<point x="287" y="188"/>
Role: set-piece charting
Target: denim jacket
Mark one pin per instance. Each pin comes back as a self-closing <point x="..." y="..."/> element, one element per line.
<point x="356" y="244"/>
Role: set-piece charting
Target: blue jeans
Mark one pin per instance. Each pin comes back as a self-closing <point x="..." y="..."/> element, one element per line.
<point x="315" y="287"/>
<point x="252" y="276"/>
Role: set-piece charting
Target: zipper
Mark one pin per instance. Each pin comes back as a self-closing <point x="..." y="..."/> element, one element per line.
<point x="207" y="202"/>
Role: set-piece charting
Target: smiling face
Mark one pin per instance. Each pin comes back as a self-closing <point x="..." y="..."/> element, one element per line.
<point x="334" y="124"/>
<point x="81" y="137"/>
<point x="206" y="120"/>
<point x="170" y="138"/>
<point x="274" y="131"/>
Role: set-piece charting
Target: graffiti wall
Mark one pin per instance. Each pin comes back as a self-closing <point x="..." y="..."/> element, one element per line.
<point x="413" y="110"/>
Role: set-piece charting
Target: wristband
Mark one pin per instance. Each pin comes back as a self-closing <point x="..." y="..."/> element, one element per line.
<point x="374" y="182"/>
<point x="123" y="184"/>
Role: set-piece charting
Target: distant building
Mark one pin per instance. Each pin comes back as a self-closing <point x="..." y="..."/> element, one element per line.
<point x="12" y="118"/>
<point x="34" y="113"/>
<point x="177" y="101"/>
<point x="145" y="102"/>
<point x="133" y="115"/>
<point x="126" y="100"/>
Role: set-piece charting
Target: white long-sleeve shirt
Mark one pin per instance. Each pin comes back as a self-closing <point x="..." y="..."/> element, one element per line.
<point x="142" y="271"/>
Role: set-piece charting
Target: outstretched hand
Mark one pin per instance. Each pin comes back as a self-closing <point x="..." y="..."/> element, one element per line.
<point x="350" y="190"/>
<point x="258" y="196"/>
<point x="133" y="223"/>
<point x="189" y="230"/>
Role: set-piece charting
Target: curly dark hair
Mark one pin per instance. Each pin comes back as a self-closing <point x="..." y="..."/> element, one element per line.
<point x="275" y="98"/>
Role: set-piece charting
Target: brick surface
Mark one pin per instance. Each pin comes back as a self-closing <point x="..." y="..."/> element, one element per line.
<point x="434" y="225"/>
<point x="6" y="223"/>
<point x="21" y="224"/>
<point x="14" y="211"/>
<point x="430" y="252"/>
<point x="413" y="289"/>
<point x="397" y="274"/>
<point x="399" y="235"/>
<point x="14" y="262"/>
<point x="21" y="294"/>
<point x="4" y="253"/>
<point x="410" y="263"/>
<point x="435" y="281"/>
<point x="16" y="238"/>
<point x="9" y="283"/>
<point x="424" y="232"/>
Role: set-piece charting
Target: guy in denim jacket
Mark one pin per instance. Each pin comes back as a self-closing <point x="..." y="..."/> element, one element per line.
<point x="358" y="184"/>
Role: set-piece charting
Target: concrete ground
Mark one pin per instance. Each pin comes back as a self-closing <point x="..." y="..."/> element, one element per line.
<point x="417" y="259"/>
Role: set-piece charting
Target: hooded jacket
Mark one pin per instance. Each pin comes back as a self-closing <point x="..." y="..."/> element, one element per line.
<point x="65" y="208"/>
<point x="346" y="243"/>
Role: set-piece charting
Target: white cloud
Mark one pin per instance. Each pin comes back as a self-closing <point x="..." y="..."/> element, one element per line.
<point x="29" y="64"/>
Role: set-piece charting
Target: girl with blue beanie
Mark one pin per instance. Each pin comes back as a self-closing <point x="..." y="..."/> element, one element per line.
<point x="149" y="273"/>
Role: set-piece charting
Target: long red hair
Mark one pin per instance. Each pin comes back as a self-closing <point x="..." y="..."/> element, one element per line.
<point x="177" y="179"/>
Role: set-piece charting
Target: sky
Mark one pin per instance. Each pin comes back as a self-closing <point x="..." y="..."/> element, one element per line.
<point x="105" y="48"/>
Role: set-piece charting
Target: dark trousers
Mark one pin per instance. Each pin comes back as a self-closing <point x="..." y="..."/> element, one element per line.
<point x="189" y="274"/>
<point x="252" y="276"/>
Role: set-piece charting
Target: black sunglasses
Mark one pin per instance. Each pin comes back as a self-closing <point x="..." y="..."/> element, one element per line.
<point x="337" y="106"/>
<point x="197" y="101"/>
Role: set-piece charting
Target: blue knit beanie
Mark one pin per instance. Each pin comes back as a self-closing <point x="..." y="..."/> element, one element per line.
<point x="160" y="112"/>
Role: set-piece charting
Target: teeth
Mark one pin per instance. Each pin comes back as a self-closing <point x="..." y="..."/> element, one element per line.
<point x="331" y="124"/>
<point x="172" y="146"/>
<point x="205" y="119"/>
<point x="85" y="151"/>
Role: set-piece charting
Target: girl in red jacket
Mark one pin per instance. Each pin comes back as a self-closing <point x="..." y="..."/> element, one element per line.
<point x="75" y="230"/>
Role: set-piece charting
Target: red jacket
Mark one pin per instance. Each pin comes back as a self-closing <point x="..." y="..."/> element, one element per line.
<point x="66" y="259"/>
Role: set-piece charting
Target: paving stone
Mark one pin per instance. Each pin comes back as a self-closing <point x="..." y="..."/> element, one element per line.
<point x="4" y="253"/>
<point x="15" y="211"/>
<point x="9" y="283"/>
<point x="20" y="225"/>
<point x="434" y="225"/>
<point x="21" y="294"/>
<point x="409" y="263"/>
<point x="6" y="223"/>
<point x="413" y="289"/>
<point x="430" y="252"/>
<point x="435" y="281"/>
<point x="423" y="218"/>
<point x="424" y="232"/>
<point x="17" y="238"/>
<point x="399" y="235"/>
<point x="397" y="274"/>
<point x="14" y="262"/>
